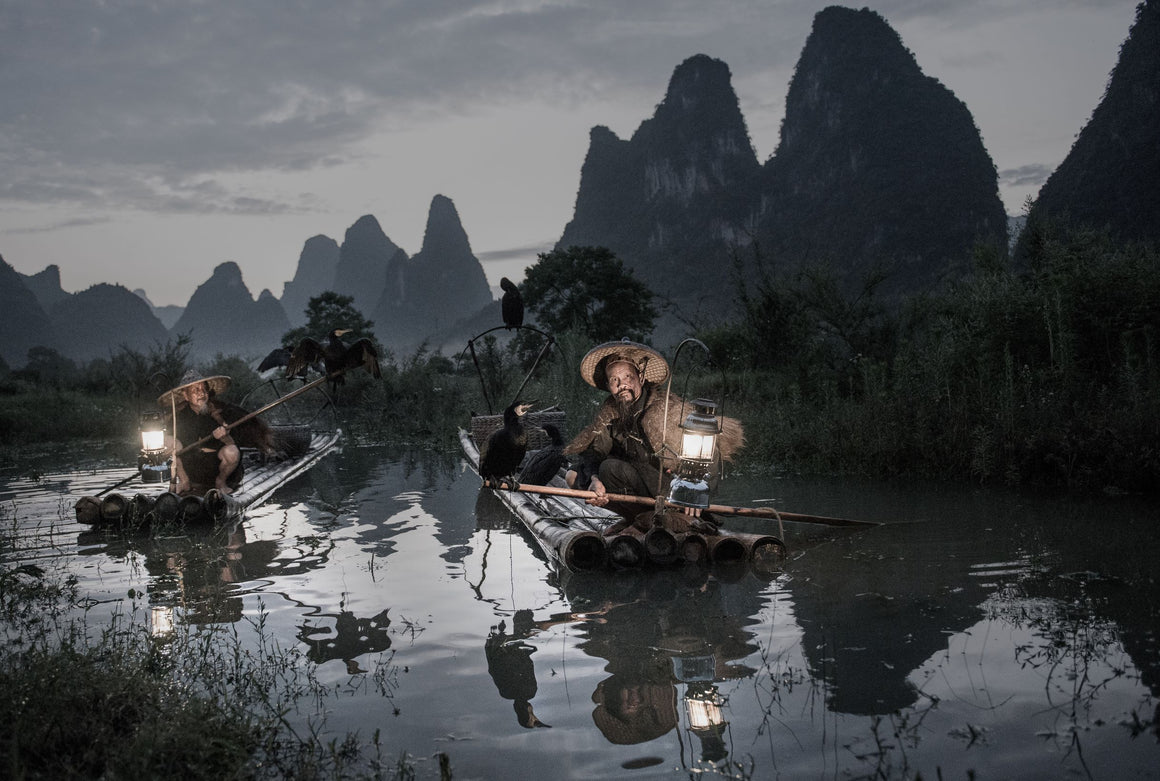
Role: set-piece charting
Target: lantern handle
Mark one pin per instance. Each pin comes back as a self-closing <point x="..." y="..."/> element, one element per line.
<point x="665" y="420"/>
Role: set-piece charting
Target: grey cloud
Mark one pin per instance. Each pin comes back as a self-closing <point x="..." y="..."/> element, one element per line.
<point x="257" y="84"/>
<point x="1025" y="175"/>
<point x="99" y="96"/>
<point x="80" y="222"/>
<point x="516" y="253"/>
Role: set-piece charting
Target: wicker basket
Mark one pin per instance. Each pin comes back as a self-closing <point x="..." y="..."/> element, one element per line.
<point x="482" y="427"/>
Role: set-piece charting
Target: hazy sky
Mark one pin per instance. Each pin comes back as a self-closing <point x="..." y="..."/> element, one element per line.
<point x="144" y="143"/>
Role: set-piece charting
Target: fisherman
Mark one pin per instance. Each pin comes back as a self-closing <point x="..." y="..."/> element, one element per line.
<point x="622" y="451"/>
<point x="215" y="463"/>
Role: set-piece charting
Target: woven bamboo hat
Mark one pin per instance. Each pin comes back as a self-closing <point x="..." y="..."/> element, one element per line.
<point x="655" y="715"/>
<point x="215" y="384"/>
<point x="651" y="364"/>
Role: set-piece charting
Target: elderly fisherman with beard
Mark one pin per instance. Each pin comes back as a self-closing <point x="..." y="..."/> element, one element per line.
<point x="215" y="463"/>
<point x="622" y="451"/>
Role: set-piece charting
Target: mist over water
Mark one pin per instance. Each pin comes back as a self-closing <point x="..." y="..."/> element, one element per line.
<point x="1008" y="634"/>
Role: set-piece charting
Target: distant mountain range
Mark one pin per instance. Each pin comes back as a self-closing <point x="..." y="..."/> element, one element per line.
<point x="879" y="169"/>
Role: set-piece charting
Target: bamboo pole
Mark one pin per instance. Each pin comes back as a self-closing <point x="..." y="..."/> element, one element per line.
<point x="756" y="512"/>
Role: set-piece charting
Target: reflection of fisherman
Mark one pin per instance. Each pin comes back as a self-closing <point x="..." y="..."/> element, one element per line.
<point x="509" y="662"/>
<point x="670" y="632"/>
<point x="618" y="452"/>
<point x="215" y="463"/>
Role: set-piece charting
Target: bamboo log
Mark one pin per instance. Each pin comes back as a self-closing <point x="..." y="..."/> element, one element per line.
<point x="139" y="508"/>
<point x="727" y="549"/>
<point x="113" y="508"/>
<point x="88" y="510"/>
<point x="584" y="552"/>
<point x="190" y="508"/>
<point x="756" y="512"/>
<point x="661" y="545"/>
<point x="694" y="549"/>
<point x="165" y="507"/>
<point x="766" y="556"/>
<point x="626" y="550"/>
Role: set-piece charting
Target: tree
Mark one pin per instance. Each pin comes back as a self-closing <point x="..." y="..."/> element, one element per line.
<point x="326" y="312"/>
<point x="48" y="367"/>
<point x="588" y="290"/>
<point x="146" y="376"/>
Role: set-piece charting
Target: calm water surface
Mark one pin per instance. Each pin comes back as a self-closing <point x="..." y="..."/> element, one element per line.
<point x="1009" y="635"/>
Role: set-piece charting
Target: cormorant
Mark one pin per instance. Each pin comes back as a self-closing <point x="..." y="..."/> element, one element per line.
<point x="280" y="356"/>
<point x="507" y="445"/>
<point x="512" y="304"/>
<point x="544" y="464"/>
<point x="336" y="356"/>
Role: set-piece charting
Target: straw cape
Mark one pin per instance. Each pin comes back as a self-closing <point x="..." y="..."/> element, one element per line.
<point x="215" y="384"/>
<point x="651" y="364"/>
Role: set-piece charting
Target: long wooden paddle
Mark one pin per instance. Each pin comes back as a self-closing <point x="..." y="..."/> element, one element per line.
<point x="119" y="483"/>
<point x="757" y="512"/>
<point x="271" y="405"/>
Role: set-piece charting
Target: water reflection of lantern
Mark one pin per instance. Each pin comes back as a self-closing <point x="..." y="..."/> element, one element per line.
<point x="690" y="488"/>
<point x="161" y="620"/>
<point x="152" y="462"/>
<point x="706" y="720"/>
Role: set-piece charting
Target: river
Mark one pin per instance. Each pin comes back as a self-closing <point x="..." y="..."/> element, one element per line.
<point x="976" y="631"/>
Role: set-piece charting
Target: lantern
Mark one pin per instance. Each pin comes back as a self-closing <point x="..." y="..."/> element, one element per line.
<point x="690" y="488"/>
<point x="699" y="434"/>
<point x="152" y="462"/>
<point x="706" y="719"/>
<point x="162" y="620"/>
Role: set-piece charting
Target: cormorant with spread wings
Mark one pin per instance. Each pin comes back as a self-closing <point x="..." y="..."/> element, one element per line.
<point x="336" y="356"/>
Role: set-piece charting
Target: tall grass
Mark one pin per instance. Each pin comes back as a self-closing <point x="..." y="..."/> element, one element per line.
<point x="117" y="702"/>
<point x="1049" y="375"/>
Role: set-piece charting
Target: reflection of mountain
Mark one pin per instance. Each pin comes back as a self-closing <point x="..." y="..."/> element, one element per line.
<point x="868" y="621"/>
<point x="875" y="607"/>
<point x="1105" y="577"/>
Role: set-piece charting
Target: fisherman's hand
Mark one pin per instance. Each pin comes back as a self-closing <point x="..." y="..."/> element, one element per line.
<point x="220" y="433"/>
<point x="597" y="488"/>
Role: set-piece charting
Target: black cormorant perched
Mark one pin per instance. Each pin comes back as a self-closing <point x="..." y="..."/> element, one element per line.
<point x="336" y="356"/>
<point x="512" y="304"/>
<point x="507" y="445"/>
<point x="544" y="464"/>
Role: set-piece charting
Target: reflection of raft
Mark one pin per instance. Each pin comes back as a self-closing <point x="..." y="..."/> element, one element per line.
<point x="153" y="504"/>
<point x="571" y="534"/>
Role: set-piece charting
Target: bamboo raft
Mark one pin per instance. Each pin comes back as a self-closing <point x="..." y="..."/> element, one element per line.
<point x="572" y="533"/>
<point x="154" y="504"/>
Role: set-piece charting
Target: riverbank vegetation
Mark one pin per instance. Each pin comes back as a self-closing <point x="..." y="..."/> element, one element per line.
<point x="135" y="700"/>
<point x="1045" y="374"/>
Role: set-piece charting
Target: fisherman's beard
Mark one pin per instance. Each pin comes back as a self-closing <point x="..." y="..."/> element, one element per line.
<point x="627" y="410"/>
